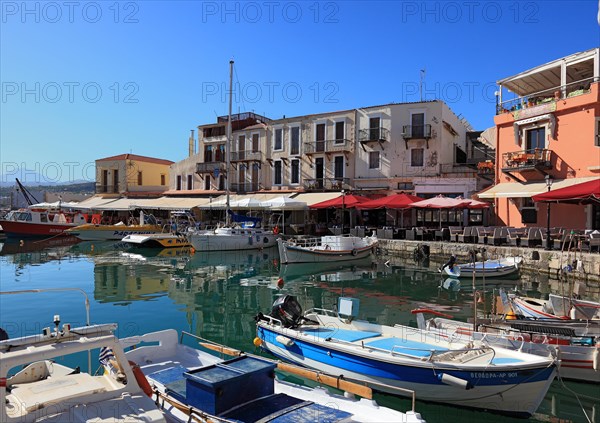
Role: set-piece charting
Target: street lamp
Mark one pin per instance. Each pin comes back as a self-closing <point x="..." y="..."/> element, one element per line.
<point x="343" y="209"/>
<point x="549" y="181"/>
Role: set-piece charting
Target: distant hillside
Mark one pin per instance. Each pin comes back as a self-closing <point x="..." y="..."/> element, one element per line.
<point x="80" y="188"/>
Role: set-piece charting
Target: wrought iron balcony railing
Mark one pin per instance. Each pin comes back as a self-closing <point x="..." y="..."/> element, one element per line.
<point x="373" y="134"/>
<point x="416" y="131"/>
<point x="326" y="184"/>
<point x="539" y="158"/>
<point x="246" y="155"/>
<point x="327" y="146"/>
<point x="209" y="167"/>
<point x="107" y="189"/>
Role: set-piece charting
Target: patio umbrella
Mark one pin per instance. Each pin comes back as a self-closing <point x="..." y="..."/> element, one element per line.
<point x="474" y="204"/>
<point x="441" y="202"/>
<point x="584" y="192"/>
<point x="394" y="201"/>
<point x="246" y="203"/>
<point x="345" y="201"/>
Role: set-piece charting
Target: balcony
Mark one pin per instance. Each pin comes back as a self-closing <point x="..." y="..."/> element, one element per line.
<point x="246" y="156"/>
<point x="107" y="189"/>
<point x="209" y="167"/>
<point x="420" y="132"/>
<point x="379" y="135"/>
<point x="327" y="184"/>
<point x="539" y="159"/>
<point x="328" y="146"/>
<point x="245" y="187"/>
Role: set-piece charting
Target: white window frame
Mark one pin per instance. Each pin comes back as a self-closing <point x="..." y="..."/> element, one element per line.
<point x="344" y="163"/>
<point x="371" y="167"/>
<point x="411" y="161"/>
<point x="335" y="122"/>
<point x="275" y="169"/>
<point x="275" y="129"/>
<point x="299" y="171"/>
<point x="537" y="125"/>
<point x="290" y="127"/>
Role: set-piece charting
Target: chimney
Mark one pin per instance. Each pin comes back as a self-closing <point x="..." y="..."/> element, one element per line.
<point x="192" y="145"/>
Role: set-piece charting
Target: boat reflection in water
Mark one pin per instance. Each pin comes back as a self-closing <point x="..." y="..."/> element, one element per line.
<point x="37" y="251"/>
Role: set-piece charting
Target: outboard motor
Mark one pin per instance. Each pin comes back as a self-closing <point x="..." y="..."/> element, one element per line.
<point x="288" y="310"/>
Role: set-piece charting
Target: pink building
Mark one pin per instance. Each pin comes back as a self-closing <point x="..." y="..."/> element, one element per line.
<point x="549" y="130"/>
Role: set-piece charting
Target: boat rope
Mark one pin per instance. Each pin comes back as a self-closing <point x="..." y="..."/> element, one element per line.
<point x="559" y="377"/>
<point x="49" y="238"/>
<point x="191" y="412"/>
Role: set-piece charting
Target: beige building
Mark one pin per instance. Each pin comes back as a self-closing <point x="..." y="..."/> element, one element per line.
<point x="131" y="175"/>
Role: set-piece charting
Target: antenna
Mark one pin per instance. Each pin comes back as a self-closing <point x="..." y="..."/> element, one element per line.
<point x="421" y="83"/>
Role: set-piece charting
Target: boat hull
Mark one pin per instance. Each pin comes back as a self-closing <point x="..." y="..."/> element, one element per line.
<point x="111" y="232"/>
<point x="29" y="229"/>
<point x="516" y="392"/>
<point x="156" y="241"/>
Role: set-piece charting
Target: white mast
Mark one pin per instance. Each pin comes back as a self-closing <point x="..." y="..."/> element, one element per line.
<point x="228" y="143"/>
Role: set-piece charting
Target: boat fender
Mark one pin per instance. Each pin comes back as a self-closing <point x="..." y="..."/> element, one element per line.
<point x="354" y="252"/>
<point x="455" y="381"/>
<point x="257" y="342"/>
<point x="284" y="340"/>
<point x="596" y="358"/>
<point x="276" y="230"/>
<point x="140" y="378"/>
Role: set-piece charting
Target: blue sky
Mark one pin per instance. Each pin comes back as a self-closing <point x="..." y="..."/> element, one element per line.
<point x="86" y="80"/>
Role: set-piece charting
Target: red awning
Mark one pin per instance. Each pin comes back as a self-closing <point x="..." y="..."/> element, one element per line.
<point x="579" y="193"/>
<point x="394" y="201"/>
<point x="347" y="201"/>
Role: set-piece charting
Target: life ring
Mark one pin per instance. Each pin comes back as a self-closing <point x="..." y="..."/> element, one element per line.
<point x="354" y="252"/>
<point x="276" y="230"/>
<point x="96" y="220"/>
<point x="140" y="378"/>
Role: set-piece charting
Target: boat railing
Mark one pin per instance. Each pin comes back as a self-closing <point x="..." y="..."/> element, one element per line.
<point x="308" y="242"/>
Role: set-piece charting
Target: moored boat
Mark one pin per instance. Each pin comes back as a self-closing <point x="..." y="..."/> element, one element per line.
<point x="327" y="248"/>
<point x="451" y="371"/>
<point x="33" y="222"/>
<point x="230" y="238"/>
<point x="493" y="268"/>
<point x="194" y="385"/>
<point x="157" y="240"/>
<point x="97" y="232"/>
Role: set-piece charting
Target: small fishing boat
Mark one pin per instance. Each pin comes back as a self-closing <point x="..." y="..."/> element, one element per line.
<point x="327" y="248"/>
<point x="231" y="238"/>
<point x="496" y="268"/>
<point x="556" y="307"/>
<point x="36" y="222"/>
<point x="577" y="343"/>
<point x="35" y="385"/>
<point x="453" y="371"/>
<point x="157" y="240"/>
<point x="193" y="385"/>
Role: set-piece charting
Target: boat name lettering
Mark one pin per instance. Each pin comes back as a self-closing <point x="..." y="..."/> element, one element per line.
<point x="487" y="375"/>
<point x="124" y="233"/>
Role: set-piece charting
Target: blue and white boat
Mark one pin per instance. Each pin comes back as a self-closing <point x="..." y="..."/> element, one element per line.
<point x="493" y="268"/>
<point x="451" y="370"/>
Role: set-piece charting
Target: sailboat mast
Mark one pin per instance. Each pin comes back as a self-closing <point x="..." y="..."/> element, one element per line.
<point x="228" y="144"/>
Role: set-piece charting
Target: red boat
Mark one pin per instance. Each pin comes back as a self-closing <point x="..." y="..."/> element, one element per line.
<point x="40" y="222"/>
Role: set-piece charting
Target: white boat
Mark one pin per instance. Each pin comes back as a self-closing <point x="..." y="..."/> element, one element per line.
<point x="493" y="268"/>
<point x="327" y="248"/>
<point x="576" y="343"/>
<point x="453" y="371"/>
<point x="193" y="385"/>
<point x="556" y="307"/>
<point x="36" y="387"/>
<point x="157" y="240"/>
<point x="98" y="232"/>
<point x="229" y="238"/>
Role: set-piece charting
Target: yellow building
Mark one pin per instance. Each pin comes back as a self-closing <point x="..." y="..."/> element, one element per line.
<point x="131" y="175"/>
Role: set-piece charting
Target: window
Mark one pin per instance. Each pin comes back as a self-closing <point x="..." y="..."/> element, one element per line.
<point x="374" y="128"/>
<point x="339" y="132"/>
<point x="416" y="157"/>
<point x="374" y="160"/>
<point x="278" y="139"/>
<point x="178" y="182"/>
<point x="597" y="139"/>
<point x="140" y="181"/>
<point x="528" y="210"/>
<point x="207" y="182"/>
<point x="255" y="143"/>
<point x="320" y="137"/>
<point x="277" y="175"/>
<point x="208" y="154"/>
<point x="536" y="138"/>
<point x="189" y="182"/>
<point x="338" y="167"/>
<point x="295" y="171"/>
<point x="242" y="147"/>
<point x="116" y="180"/>
<point x="295" y="140"/>
<point x="221" y="182"/>
<point x="417" y="120"/>
<point x="163" y="179"/>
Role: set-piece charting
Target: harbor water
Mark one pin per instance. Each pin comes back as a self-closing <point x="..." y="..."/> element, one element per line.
<point x="216" y="296"/>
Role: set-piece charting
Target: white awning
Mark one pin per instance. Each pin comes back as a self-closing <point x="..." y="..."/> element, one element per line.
<point x="240" y="199"/>
<point x="175" y="203"/>
<point x="92" y="203"/>
<point x="519" y="190"/>
<point x="311" y="198"/>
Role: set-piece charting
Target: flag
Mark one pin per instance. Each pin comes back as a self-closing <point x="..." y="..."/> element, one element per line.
<point x="106" y="354"/>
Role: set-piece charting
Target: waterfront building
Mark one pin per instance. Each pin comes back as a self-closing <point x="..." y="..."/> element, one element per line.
<point x="131" y="175"/>
<point x="548" y="131"/>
